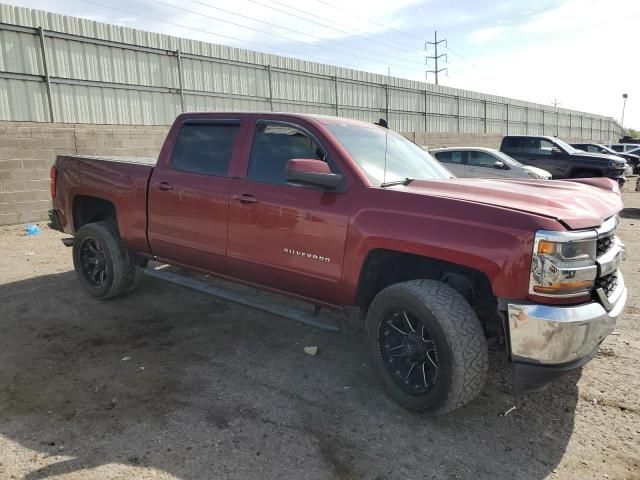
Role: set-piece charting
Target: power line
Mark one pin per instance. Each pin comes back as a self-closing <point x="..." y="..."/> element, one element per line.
<point x="193" y="12"/>
<point x="200" y="30"/>
<point x="281" y="27"/>
<point x="369" y="20"/>
<point x="435" y="56"/>
<point x="361" y="33"/>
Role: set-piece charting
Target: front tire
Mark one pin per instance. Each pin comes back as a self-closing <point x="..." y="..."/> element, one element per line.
<point x="426" y="346"/>
<point x="104" y="267"/>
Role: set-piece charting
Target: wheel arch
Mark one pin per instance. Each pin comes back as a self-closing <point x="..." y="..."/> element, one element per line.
<point x="382" y="268"/>
<point x="90" y="209"/>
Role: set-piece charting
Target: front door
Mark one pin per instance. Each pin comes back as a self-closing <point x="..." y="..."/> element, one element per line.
<point x="539" y="152"/>
<point x="188" y="196"/>
<point x="286" y="237"/>
<point x="483" y="165"/>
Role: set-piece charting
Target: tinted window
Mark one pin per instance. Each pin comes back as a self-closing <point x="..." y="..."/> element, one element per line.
<point x="481" y="159"/>
<point x="273" y="146"/>
<point x="617" y="148"/>
<point x="204" y="148"/>
<point x="512" y="143"/>
<point x="449" y="157"/>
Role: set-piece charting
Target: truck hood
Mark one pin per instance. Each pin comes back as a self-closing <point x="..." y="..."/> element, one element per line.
<point x="600" y="156"/>
<point x="579" y="203"/>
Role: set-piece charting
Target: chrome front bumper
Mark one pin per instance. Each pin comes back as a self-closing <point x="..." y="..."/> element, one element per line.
<point x="549" y="335"/>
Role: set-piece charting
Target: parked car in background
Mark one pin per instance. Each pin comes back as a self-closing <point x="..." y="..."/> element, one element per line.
<point x="632" y="159"/>
<point x="623" y="147"/>
<point x="479" y="162"/>
<point x="561" y="159"/>
<point x="339" y="212"/>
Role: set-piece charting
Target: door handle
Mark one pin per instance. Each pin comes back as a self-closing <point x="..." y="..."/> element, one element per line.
<point x="164" y="186"/>
<point x="245" y="198"/>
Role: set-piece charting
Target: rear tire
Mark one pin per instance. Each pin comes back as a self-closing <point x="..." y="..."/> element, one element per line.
<point x="104" y="267"/>
<point x="429" y="325"/>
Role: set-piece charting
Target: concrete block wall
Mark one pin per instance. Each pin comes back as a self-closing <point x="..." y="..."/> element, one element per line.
<point x="28" y="149"/>
<point x="438" y="140"/>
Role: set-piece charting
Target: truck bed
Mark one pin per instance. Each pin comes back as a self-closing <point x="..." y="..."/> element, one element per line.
<point x="119" y="181"/>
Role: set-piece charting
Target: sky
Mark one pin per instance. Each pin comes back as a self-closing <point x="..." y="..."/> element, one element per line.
<point x="580" y="54"/>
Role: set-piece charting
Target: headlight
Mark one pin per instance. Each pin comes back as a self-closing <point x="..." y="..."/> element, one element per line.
<point x="532" y="174"/>
<point x="564" y="263"/>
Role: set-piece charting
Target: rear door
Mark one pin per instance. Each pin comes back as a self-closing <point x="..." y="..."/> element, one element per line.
<point x="188" y="196"/>
<point x="286" y="237"/>
<point x="453" y="161"/>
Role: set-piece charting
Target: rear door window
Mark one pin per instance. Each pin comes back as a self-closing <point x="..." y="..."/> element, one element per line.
<point x="513" y="144"/>
<point x="205" y="148"/>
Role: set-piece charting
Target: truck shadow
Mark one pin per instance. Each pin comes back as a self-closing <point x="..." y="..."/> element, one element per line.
<point x="171" y="380"/>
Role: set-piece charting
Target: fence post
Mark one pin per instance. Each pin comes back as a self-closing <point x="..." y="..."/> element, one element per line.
<point x="526" y="120"/>
<point x="581" y="137"/>
<point x="180" y="84"/>
<point x="45" y="67"/>
<point x="270" y="88"/>
<point x="426" y="101"/>
<point x="507" y="105"/>
<point x="557" y="123"/>
<point x="485" y="114"/>
<point x="458" y="111"/>
<point x="335" y="89"/>
<point x="544" y="123"/>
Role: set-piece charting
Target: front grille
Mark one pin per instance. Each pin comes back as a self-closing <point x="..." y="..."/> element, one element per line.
<point x="607" y="283"/>
<point x="604" y="245"/>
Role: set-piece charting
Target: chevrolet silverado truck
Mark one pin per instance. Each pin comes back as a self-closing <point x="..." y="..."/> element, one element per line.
<point x="561" y="159"/>
<point x="343" y="213"/>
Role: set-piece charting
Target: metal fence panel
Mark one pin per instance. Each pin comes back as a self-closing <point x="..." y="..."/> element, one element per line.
<point x="23" y="101"/>
<point x="95" y="72"/>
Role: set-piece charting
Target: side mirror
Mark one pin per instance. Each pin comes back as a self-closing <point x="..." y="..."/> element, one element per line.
<point x="556" y="152"/>
<point x="311" y="172"/>
<point x="498" y="164"/>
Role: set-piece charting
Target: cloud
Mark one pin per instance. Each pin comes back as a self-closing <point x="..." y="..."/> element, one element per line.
<point x="487" y="34"/>
<point x="559" y="53"/>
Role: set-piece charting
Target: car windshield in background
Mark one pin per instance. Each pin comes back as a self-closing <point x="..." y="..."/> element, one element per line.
<point x="404" y="159"/>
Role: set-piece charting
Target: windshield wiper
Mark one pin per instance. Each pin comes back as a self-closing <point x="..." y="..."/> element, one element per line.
<point x="404" y="182"/>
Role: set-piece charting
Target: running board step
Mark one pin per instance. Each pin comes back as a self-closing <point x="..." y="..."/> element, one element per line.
<point x="264" y="305"/>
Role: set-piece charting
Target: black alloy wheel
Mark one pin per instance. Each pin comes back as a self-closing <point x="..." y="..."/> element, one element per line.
<point x="408" y="353"/>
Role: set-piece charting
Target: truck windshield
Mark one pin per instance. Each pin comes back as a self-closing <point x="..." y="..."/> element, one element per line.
<point x="369" y="146"/>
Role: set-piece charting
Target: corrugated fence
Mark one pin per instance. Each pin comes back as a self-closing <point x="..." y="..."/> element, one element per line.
<point x="56" y="68"/>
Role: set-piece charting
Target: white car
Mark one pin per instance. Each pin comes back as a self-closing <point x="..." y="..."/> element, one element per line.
<point x="479" y="162"/>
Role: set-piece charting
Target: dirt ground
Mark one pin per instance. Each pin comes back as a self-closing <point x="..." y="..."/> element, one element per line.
<point x="169" y="383"/>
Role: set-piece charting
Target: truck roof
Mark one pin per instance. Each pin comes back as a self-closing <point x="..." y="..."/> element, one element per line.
<point x="547" y="137"/>
<point x="322" y="119"/>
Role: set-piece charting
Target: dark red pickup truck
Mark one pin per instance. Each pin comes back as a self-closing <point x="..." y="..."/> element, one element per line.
<point x="345" y="213"/>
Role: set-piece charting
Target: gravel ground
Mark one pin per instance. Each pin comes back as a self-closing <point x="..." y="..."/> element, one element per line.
<point x="169" y="383"/>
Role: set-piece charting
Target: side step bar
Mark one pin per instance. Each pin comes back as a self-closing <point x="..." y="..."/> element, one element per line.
<point x="292" y="313"/>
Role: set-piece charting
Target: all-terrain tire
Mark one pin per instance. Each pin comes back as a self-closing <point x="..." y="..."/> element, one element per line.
<point x="122" y="270"/>
<point x="455" y="330"/>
